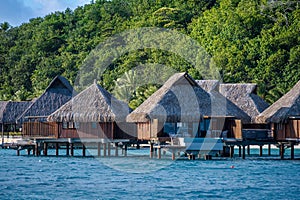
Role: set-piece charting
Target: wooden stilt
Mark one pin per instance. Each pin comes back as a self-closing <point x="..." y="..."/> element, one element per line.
<point x="159" y="153"/>
<point x="231" y="151"/>
<point x="56" y="149"/>
<point x="33" y="151"/>
<point x="99" y="149"/>
<point x="108" y="149"/>
<point x="2" y="135"/>
<point x="155" y="152"/>
<point x="240" y="151"/>
<point x="260" y="150"/>
<point x="67" y="148"/>
<point x="292" y="152"/>
<point x="151" y="150"/>
<point x="137" y="146"/>
<point x="37" y="149"/>
<point x="248" y="150"/>
<point x="244" y="152"/>
<point x="125" y="150"/>
<point x="45" y="149"/>
<point x="83" y="150"/>
<point x="18" y="152"/>
<point x="173" y="154"/>
<point x="282" y="151"/>
<point x="116" y="150"/>
<point x="269" y="149"/>
<point x="104" y="149"/>
<point x="28" y="152"/>
<point x="72" y="149"/>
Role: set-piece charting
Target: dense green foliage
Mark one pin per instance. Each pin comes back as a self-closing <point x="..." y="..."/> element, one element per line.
<point x="249" y="41"/>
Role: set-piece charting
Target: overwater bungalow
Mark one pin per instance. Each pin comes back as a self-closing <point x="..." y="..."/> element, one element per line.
<point x="35" y="115"/>
<point x="244" y="96"/>
<point x="9" y="111"/>
<point x="182" y="109"/>
<point x="56" y="94"/>
<point x="93" y="113"/>
<point x="284" y="116"/>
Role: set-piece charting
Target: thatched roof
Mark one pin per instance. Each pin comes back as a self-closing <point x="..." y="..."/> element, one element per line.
<point x="57" y="93"/>
<point x="245" y="97"/>
<point x="93" y="104"/>
<point x="182" y="99"/>
<point x="287" y="106"/>
<point x="209" y="85"/>
<point x="10" y="110"/>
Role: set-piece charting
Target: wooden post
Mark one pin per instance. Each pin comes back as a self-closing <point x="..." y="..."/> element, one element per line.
<point x="116" y="149"/>
<point x="244" y="152"/>
<point x="83" y="150"/>
<point x="108" y="149"/>
<point x="67" y="149"/>
<point x="159" y="153"/>
<point x="240" y="151"/>
<point x="173" y="154"/>
<point x="292" y="152"/>
<point x="155" y="152"/>
<point x="282" y="151"/>
<point x="72" y="149"/>
<point x="45" y="149"/>
<point x="269" y="149"/>
<point x="28" y="151"/>
<point x="33" y="151"/>
<point x="104" y="149"/>
<point x="2" y="136"/>
<point x="99" y="149"/>
<point x="56" y="149"/>
<point x="231" y="151"/>
<point x="151" y="150"/>
<point x="248" y="150"/>
<point x="18" y="152"/>
<point x="125" y="150"/>
<point x="260" y="150"/>
<point x="37" y="149"/>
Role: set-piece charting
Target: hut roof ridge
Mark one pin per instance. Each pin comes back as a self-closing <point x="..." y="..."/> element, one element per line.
<point x="288" y="105"/>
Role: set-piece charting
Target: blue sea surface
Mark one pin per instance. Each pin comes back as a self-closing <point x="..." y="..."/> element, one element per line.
<point x="139" y="177"/>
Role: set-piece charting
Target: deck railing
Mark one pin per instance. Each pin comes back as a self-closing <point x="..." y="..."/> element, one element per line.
<point x="40" y="129"/>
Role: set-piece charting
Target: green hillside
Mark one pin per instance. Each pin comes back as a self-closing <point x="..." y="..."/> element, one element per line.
<point x="248" y="40"/>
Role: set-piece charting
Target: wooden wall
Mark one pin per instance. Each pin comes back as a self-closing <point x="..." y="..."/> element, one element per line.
<point x="291" y="129"/>
<point x="109" y="130"/>
<point x="40" y="129"/>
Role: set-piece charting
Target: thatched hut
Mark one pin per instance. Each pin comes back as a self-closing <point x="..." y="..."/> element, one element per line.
<point x="181" y="107"/>
<point x="93" y="113"/>
<point x="56" y="94"/>
<point x="245" y="97"/>
<point x="9" y="111"/>
<point x="34" y="117"/>
<point x="284" y="116"/>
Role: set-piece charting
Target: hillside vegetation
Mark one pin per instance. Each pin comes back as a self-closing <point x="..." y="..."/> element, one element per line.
<point x="249" y="41"/>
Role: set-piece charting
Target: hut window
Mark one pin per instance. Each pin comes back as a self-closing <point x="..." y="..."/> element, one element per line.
<point x="65" y="125"/>
<point x="76" y="125"/>
<point x="204" y="125"/>
<point x="280" y="126"/>
<point x="70" y="125"/>
<point x="169" y="128"/>
<point x="94" y="125"/>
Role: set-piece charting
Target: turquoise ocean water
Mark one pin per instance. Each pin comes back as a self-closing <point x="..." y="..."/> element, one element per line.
<point x="138" y="177"/>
